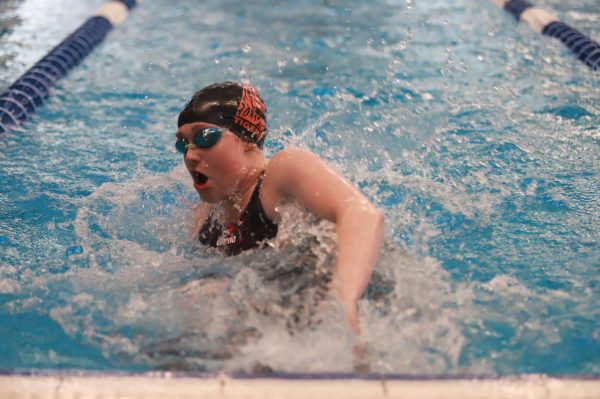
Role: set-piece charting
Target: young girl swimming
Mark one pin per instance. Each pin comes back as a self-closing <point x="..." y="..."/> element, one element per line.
<point x="221" y="131"/>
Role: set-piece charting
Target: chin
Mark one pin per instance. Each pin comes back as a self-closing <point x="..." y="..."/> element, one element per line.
<point x="209" y="197"/>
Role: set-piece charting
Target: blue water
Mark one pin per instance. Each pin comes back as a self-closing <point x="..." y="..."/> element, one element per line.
<point x="478" y="137"/>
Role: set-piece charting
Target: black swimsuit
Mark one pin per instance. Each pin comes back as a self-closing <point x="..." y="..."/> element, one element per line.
<point x="252" y="228"/>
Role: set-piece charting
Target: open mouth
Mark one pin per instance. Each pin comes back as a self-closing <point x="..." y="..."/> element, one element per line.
<point x="200" y="180"/>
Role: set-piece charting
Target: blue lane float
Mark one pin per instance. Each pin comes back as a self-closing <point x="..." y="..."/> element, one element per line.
<point x="21" y="99"/>
<point x="585" y="49"/>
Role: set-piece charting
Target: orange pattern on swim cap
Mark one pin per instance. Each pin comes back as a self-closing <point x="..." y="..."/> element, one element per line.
<point x="250" y="115"/>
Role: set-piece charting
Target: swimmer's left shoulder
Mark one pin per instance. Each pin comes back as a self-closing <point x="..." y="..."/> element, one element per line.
<point x="289" y="161"/>
<point x="290" y="155"/>
<point x="284" y="170"/>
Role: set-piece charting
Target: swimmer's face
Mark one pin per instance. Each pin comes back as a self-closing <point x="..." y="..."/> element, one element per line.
<point x="217" y="170"/>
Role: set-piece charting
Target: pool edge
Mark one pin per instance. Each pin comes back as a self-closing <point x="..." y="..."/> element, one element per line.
<point x="181" y="385"/>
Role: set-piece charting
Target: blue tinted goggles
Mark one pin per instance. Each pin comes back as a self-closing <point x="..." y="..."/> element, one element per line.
<point x="204" y="138"/>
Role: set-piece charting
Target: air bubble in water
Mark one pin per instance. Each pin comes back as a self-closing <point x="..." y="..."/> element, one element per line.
<point x="409" y="8"/>
<point x="281" y="63"/>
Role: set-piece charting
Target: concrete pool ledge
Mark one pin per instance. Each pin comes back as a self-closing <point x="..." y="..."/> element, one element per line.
<point x="164" y="385"/>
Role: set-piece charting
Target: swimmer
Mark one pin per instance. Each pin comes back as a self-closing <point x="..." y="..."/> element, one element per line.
<point x="221" y="131"/>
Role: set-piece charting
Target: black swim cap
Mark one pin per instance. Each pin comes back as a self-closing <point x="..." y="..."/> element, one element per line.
<point x="235" y="106"/>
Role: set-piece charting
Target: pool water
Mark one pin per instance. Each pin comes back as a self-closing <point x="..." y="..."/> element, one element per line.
<point x="477" y="137"/>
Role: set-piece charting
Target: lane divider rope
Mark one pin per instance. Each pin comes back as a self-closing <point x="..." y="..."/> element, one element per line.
<point x="21" y="99"/>
<point x="585" y="49"/>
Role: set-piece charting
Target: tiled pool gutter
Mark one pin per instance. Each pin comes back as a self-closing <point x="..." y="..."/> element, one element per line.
<point x="321" y="386"/>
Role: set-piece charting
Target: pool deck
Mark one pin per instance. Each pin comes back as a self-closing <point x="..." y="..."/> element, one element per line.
<point x="164" y="385"/>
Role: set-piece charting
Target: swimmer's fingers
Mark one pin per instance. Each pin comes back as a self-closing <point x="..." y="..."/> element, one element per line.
<point x="349" y="306"/>
<point x="361" y="354"/>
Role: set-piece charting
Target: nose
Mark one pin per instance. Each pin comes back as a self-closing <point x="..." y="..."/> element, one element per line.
<point x="193" y="154"/>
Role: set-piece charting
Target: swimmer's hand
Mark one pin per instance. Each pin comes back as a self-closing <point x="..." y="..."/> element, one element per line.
<point x="351" y="311"/>
<point x="361" y="351"/>
<point x="350" y="307"/>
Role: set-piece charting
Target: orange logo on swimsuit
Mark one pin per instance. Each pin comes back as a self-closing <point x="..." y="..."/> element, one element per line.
<point x="250" y="114"/>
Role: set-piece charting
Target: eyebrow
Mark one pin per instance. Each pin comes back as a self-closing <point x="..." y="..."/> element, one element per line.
<point x="179" y="134"/>
<point x="194" y="131"/>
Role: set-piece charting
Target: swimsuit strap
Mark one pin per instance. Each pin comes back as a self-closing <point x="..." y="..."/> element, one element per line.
<point x="254" y="205"/>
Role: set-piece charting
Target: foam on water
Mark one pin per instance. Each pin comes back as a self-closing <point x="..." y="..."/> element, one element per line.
<point x="146" y="293"/>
